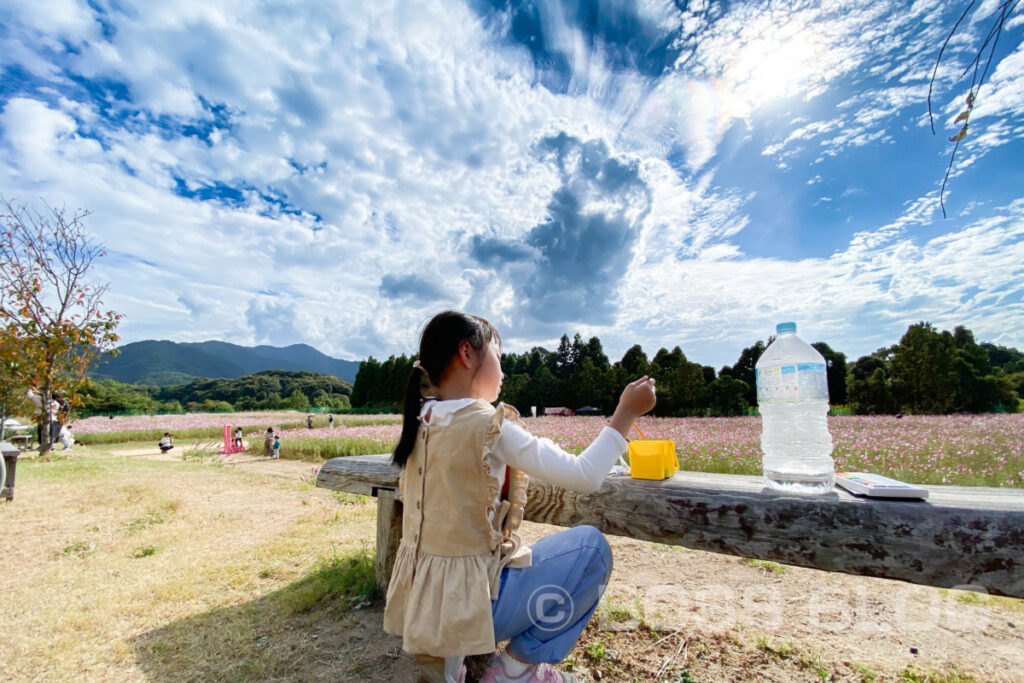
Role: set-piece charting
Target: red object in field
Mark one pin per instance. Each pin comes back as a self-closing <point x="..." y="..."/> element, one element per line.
<point x="229" y="444"/>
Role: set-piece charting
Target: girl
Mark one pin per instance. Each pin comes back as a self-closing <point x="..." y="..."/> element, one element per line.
<point x="461" y="581"/>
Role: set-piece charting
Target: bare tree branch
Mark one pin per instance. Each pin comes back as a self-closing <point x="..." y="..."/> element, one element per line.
<point x="938" y="59"/>
<point x="1005" y="9"/>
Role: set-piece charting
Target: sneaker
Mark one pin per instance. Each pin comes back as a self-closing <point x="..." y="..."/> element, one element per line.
<point x="535" y="673"/>
<point x="432" y="670"/>
<point x="424" y="678"/>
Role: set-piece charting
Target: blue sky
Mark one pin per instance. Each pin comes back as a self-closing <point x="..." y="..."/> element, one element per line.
<point x="653" y="172"/>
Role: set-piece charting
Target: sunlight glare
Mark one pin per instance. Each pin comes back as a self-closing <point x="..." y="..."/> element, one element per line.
<point x="767" y="69"/>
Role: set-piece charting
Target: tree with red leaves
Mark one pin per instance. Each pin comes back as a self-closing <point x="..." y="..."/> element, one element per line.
<point x="53" y="325"/>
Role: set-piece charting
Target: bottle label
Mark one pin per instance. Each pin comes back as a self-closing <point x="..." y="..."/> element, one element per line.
<point x="794" y="382"/>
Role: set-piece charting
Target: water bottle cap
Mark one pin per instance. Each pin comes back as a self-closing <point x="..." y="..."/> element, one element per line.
<point x="783" y="328"/>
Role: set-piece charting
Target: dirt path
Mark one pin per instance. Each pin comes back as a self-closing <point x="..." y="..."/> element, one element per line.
<point x="291" y="469"/>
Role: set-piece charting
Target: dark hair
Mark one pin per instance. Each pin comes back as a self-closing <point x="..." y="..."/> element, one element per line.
<point x="438" y="345"/>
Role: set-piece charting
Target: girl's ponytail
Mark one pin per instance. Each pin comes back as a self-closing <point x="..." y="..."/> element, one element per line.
<point x="410" y="416"/>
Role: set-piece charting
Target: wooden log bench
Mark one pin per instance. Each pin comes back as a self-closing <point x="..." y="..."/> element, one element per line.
<point x="960" y="537"/>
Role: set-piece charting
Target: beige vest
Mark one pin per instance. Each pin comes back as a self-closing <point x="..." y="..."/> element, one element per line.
<point x="451" y="555"/>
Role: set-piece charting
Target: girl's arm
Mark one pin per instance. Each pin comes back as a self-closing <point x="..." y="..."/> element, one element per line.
<point x="546" y="460"/>
<point x="543" y="458"/>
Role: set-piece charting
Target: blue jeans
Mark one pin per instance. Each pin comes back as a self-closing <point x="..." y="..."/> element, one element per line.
<point x="543" y="609"/>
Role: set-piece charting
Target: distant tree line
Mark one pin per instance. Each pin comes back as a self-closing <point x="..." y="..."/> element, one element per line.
<point x="267" y="390"/>
<point x="936" y="372"/>
<point x="927" y="372"/>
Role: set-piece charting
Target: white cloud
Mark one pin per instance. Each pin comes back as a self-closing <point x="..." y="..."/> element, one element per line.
<point x="756" y="56"/>
<point x="65" y="19"/>
<point x="340" y="147"/>
<point x="34" y="132"/>
<point x="273" y="322"/>
<point x="957" y="278"/>
<point x="1003" y="95"/>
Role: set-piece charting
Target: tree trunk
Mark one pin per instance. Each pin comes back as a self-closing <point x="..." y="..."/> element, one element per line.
<point x="45" y="396"/>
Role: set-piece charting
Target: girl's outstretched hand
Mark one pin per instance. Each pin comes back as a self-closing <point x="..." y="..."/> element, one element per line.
<point x="636" y="399"/>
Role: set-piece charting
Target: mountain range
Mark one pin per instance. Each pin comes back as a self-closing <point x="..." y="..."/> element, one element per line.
<point x="165" y="362"/>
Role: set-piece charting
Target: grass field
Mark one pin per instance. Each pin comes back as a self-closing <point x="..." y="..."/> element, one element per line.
<point x="118" y="568"/>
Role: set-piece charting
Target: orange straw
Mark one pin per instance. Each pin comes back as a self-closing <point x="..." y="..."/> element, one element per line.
<point x="638" y="429"/>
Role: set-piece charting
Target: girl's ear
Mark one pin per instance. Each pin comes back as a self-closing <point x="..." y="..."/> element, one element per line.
<point x="466" y="355"/>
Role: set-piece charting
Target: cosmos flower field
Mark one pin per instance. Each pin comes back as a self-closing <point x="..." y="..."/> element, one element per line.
<point x="969" y="450"/>
<point x="177" y="423"/>
<point x="318" y="443"/>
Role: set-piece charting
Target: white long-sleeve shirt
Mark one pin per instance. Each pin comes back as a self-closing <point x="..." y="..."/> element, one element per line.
<point x="538" y="456"/>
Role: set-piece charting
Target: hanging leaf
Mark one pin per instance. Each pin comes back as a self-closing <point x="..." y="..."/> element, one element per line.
<point x="970" y="99"/>
<point x="960" y="136"/>
<point x="963" y="116"/>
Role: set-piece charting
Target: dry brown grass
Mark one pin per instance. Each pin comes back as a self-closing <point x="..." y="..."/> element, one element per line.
<point x="118" y="568"/>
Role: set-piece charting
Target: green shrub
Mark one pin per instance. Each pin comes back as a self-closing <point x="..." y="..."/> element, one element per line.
<point x="338" y="582"/>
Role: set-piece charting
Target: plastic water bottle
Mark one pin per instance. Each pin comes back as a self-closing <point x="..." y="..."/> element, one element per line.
<point x="792" y="397"/>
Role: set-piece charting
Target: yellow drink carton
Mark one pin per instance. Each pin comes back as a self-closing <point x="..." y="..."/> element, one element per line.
<point x="652" y="459"/>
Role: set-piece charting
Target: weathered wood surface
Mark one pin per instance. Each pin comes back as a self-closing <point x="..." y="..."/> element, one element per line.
<point x="960" y="536"/>
<point x="358" y="474"/>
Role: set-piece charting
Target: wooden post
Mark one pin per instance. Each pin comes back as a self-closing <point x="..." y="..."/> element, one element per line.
<point x="389" y="533"/>
<point x="9" y="453"/>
